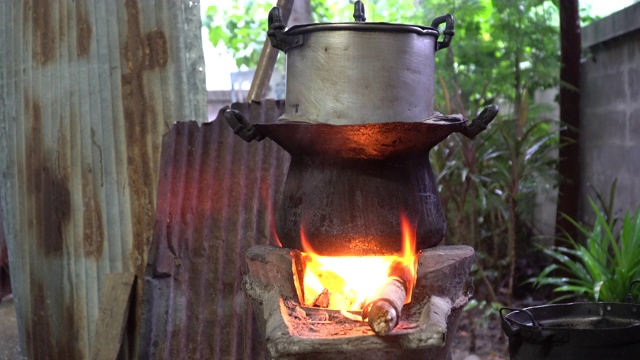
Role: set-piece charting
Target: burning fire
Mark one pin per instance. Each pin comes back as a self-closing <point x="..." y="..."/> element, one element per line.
<point x="347" y="282"/>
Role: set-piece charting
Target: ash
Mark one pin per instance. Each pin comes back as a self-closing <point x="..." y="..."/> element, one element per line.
<point x="326" y="323"/>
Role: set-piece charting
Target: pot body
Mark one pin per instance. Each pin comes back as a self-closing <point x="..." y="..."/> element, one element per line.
<point x="354" y="207"/>
<point x="574" y="331"/>
<point x="361" y="76"/>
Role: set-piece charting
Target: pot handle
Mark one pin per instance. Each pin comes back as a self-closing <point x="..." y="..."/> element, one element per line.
<point x="278" y="38"/>
<point x="448" y="32"/>
<point x="480" y="122"/>
<point x="242" y="127"/>
<point x="509" y="326"/>
<point x="629" y="297"/>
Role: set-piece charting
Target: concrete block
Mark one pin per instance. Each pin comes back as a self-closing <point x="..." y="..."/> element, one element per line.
<point x="610" y="56"/>
<point x="604" y="164"/>
<point x="614" y="160"/>
<point x="633" y="83"/>
<point x="634" y="126"/>
<point x="603" y="60"/>
<point x="628" y="192"/>
<point x="604" y="91"/>
<point x="603" y="127"/>
<point x="627" y="197"/>
<point x="633" y="48"/>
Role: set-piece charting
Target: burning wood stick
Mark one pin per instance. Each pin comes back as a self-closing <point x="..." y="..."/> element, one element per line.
<point x="383" y="311"/>
<point x="322" y="301"/>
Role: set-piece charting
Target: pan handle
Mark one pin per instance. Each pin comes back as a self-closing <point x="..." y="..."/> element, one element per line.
<point x="509" y="325"/>
<point x="480" y="123"/>
<point x="629" y="297"/>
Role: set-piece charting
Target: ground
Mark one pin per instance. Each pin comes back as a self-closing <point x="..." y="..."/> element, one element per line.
<point x="490" y="341"/>
<point x="9" y="343"/>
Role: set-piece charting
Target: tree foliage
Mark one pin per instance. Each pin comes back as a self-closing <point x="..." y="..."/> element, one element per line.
<point x="241" y="26"/>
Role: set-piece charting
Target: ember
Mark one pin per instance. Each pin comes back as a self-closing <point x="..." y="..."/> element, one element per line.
<point x="351" y="282"/>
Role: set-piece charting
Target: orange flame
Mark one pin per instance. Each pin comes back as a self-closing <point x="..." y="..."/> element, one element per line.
<point x="346" y="282"/>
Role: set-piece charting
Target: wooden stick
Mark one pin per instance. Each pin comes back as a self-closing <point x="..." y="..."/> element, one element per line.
<point x="384" y="310"/>
<point x="322" y="301"/>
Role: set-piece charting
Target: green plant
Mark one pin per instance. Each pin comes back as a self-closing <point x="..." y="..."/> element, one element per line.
<point x="602" y="268"/>
<point x="488" y="187"/>
<point x="479" y="314"/>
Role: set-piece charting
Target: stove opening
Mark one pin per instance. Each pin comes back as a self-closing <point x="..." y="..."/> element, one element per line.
<point x="375" y="286"/>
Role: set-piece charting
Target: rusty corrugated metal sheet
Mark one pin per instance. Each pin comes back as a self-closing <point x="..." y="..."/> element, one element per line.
<point x="88" y="88"/>
<point x="215" y="199"/>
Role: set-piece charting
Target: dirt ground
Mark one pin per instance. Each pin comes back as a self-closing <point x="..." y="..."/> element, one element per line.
<point x="9" y="343"/>
<point x="490" y="342"/>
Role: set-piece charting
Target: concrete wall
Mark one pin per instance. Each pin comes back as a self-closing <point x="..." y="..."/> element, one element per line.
<point x="610" y="108"/>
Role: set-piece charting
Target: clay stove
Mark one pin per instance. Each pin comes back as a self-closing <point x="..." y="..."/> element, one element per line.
<point x="359" y="185"/>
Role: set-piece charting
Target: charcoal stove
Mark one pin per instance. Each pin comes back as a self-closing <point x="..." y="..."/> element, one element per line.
<point x="359" y="125"/>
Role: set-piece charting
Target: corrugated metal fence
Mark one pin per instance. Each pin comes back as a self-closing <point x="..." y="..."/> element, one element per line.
<point x="87" y="89"/>
<point x="216" y="198"/>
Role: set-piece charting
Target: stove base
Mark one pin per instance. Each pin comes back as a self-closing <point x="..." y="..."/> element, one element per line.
<point x="292" y="331"/>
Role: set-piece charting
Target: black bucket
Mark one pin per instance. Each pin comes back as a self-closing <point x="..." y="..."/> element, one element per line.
<point x="573" y="331"/>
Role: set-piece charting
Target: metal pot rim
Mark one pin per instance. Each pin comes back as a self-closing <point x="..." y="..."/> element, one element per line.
<point x="370" y="141"/>
<point x="364" y="27"/>
<point x="562" y="310"/>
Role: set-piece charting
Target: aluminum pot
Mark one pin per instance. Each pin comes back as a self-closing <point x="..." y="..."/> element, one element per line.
<point x="357" y="73"/>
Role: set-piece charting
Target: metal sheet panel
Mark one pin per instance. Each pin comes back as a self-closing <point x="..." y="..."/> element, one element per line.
<point x="5" y="281"/>
<point x="87" y="89"/>
<point x="215" y="199"/>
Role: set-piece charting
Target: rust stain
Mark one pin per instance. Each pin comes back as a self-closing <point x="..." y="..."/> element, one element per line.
<point x="44" y="43"/>
<point x="138" y="113"/>
<point x="67" y="342"/>
<point x="62" y="27"/>
<point x="93" y="228"/>
<point x="156" y="53"/>
<point x="39" y="327"/>
<point x="50" y="195"/>
<point x="47" y="343"/>
<point x="83" y="30"/>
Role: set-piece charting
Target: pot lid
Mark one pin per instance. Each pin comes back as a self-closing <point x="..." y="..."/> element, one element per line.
<point x="285" y="40"/>
<point x="362" y="26"/>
